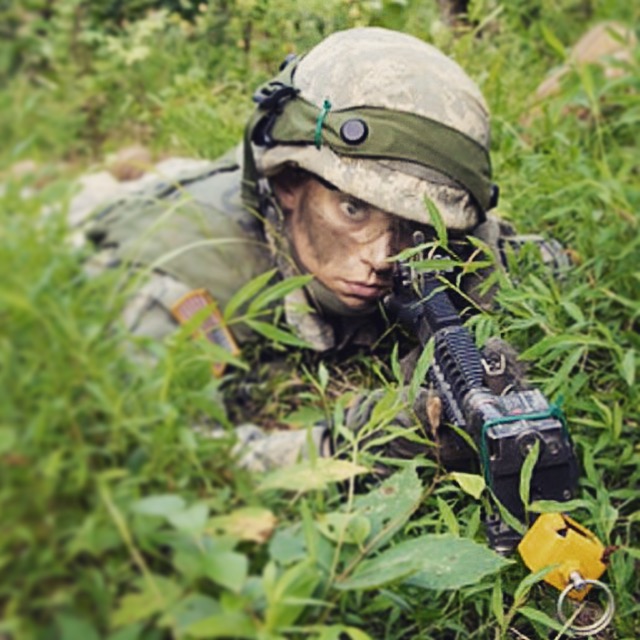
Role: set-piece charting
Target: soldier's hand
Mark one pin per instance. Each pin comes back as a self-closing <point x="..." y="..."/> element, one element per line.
<point x="389" y="425"/>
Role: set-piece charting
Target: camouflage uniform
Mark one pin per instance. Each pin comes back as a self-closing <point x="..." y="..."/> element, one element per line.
<point x="380" y="115"/>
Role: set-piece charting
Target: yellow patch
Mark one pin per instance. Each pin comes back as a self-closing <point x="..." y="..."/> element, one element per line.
<point x="212" y="327"/>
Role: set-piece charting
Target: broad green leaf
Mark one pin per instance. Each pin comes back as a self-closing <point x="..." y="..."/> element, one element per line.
<point x="527" y="471"/>
<point x="246" y="293"/>
<point x="573" y="310"/>
<point x="276" y="292"/>
<point x="304" y="416"/>
<point x="359" y="530"/>
<point x="191" y="609"/>
<point x="229" y="569"/>
<point x="227" y="624"/>
<point x="430" y="562"/>
<point x="275" y="334"/>
<point x="73" y="628"/>
<point x="248" y="523"/>
<point x="344" y="527"/>
<point x="470" y="483"/>
<point x="389" y="506"/>
<point x="156" y="595"/>
<point x="309" y="475"/>
<point x="286" y="600"/>
<point x="161" y="505"/>
<point x="302" y="541"/>
<point x="288" y="545"/>
<point x="628" y="367"/>
<point x="192" y="520"/>
<point x="213" y="558"/>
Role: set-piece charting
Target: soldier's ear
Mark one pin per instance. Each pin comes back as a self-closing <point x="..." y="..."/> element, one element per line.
<point x="288" y="185"/>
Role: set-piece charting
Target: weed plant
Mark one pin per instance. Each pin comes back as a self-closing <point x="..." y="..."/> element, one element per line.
<point x="122" y="517"/>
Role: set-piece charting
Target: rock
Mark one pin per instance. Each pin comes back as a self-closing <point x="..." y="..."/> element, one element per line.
<point x="130" y="163"/>
<point x="606" y="44"/>
<point x="23" y="169"/>
<point x="94" y="189"/>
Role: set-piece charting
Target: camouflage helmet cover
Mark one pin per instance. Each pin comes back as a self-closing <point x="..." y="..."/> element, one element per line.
<point x="395" y="73"/>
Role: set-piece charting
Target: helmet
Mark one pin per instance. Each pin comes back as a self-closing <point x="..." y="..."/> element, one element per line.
<point x="382" y="116"/>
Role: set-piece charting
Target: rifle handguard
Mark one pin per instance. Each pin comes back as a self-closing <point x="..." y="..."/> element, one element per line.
<point x="504" y="427"/>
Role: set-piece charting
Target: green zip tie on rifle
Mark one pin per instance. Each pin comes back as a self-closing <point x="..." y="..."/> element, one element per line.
<point x="326" y="107"/>
<point x="554" y="411"/>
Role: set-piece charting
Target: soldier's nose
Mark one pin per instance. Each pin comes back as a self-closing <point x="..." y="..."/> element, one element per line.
<point x="377" y="252"/>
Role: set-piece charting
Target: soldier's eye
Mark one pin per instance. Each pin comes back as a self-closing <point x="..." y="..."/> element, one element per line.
<point x="354" y="210"/>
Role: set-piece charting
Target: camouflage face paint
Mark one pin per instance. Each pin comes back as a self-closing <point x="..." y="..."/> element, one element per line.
<point x="344" y="242"/>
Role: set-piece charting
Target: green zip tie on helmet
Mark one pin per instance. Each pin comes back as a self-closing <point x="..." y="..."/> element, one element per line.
<point x="326" y="107"/>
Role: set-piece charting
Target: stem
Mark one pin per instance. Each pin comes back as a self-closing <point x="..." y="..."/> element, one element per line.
<point x="127" y="538"/>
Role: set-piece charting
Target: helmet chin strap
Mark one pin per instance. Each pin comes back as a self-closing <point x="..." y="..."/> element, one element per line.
<point x="325" y="301"/>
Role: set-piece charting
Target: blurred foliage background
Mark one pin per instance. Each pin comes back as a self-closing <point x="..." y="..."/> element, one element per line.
<point x="120" y="520"/>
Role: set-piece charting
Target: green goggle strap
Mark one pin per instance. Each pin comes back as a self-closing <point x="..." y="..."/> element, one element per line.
<point x="393" y="135"/>
<point x="390" y="135"/>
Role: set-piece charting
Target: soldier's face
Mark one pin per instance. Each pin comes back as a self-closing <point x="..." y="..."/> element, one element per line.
<point x="344" y="242"/>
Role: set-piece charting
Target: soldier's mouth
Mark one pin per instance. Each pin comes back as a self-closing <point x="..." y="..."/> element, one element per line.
<point x="362" y="290"/>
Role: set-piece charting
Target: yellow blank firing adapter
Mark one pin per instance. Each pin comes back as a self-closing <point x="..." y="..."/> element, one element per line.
<point x="577" y="558"/>
<point x="555" y="539"/>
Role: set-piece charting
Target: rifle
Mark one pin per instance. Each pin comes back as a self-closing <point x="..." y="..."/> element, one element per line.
<point x="503" y="427"/>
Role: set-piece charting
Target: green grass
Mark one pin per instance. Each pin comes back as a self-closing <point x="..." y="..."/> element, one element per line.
<point x="105" y="487"/>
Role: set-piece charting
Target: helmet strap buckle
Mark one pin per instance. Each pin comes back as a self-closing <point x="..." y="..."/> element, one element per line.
<point x="271" y="98"/>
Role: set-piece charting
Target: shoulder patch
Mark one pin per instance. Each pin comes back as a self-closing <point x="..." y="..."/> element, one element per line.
<point x="212" y="327"/>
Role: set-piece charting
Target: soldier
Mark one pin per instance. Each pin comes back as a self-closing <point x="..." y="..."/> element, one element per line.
<point x="345" y="148"/>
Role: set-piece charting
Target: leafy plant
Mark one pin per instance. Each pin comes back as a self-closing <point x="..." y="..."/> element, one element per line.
<point x="124" y="514"/>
